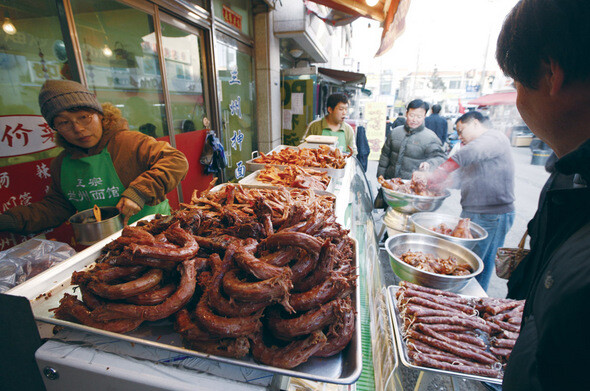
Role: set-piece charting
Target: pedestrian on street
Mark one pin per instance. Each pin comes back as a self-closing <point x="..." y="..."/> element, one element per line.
<point x="410" y="145"/>
<point x="399" y="121"/>
<point x="485" y="172"/>
<point x="333" y="124"/>
<point x="437" y="124"/>
<point x="540" y="48"/>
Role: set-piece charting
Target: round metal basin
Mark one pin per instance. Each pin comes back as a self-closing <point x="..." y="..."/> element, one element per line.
<point x="399" y="244"/>
<point x="423" y="222"/>
<point x="410" y="203"/>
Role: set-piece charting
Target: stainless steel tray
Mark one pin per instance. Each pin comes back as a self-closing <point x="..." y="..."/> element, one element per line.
<point x="252" y="166"/>
<point x="46" y="289"/>
<point x="252" y="179"/>
<point x="403" y="350"/>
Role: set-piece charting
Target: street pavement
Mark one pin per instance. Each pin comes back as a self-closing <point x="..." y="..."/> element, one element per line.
<point x="529" y="180"/>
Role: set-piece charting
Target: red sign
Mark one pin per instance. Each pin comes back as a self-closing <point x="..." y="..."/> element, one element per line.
<point x="23" y="184"/>
<point x="232" y="18"/>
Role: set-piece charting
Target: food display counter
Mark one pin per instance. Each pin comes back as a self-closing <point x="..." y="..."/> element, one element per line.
<point x="72" y="357"/>
<point x="80" y="358"/>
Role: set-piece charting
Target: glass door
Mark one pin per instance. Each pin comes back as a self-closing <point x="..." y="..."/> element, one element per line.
<point x="237" y="101"/>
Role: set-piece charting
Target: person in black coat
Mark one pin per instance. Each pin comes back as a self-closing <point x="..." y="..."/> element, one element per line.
<point x="539" y="47"/>
<point x="437" y="124"/>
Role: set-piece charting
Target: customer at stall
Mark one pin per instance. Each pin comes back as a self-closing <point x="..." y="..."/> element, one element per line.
<point x="410" y="145"/>
<point x="486" y="178"/>
<point x="539" y="47"/>
<point x="103" y="163"/>
<point x="437" y="124"/>
<point x="333" y="124"/>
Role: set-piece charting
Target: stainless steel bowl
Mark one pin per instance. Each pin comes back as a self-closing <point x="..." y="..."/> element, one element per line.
<point x="399" y="244"/>
<point x="411" y="203"/>
<point x="423" y="222"/>
<point x="88" y="231"/>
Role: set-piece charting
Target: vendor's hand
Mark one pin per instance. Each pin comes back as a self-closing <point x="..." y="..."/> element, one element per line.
<point x="437" y="179"/>
<point x="424" y="166"/>
<point x="127" y="208"/>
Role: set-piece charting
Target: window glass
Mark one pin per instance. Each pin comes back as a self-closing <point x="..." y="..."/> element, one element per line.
<point x="237" y="105"/>
<point x="31" y="50"/>
<point x="184" y="74"/>
<point x="200" y="3"/>
<point x="235" y="13"/>
<point x="118" y="45"/>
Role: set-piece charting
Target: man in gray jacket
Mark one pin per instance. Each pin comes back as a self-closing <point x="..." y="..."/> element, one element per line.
<point x="410" y="145"/>
<point x="486" y="175"/>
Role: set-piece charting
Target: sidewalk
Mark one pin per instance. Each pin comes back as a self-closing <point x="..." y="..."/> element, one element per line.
<point x="529" y="182"/>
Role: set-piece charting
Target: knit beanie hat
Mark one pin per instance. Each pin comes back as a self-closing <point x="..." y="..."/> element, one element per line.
<point x="59" y="95"/>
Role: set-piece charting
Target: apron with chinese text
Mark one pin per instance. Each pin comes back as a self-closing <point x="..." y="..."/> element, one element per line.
<point x="93" y="180"/>
<point x="341" y="138"/>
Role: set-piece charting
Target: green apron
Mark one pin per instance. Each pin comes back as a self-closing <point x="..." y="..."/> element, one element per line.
<point x="93" y="180"/>
<point x="341" y="138"/>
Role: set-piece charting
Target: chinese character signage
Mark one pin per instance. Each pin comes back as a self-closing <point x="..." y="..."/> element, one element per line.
<point x="232" y="17"/>
<point x="24" y="134"/>
<point x="23" y="184"/>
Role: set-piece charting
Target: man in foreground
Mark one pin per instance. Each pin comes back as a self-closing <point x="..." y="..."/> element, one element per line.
<point x="542" y="46"/>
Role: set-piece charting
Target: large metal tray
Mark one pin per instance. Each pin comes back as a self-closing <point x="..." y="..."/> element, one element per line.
<point x="252" y="166"/>
<point x="46" y="289"/>
<point x="403" y="349"/>
<point x="252" y="179"/>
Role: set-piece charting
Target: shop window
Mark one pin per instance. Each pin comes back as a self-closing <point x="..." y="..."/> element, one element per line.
<point x="183" y="50"/>
<point x="119" y="52"/>
<point x="237" y="103"/>
<point x="32" y="50"/>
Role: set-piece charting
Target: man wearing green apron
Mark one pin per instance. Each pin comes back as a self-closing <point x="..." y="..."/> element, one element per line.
<point x="333" y="124"/>
<point x="103" y="163"/>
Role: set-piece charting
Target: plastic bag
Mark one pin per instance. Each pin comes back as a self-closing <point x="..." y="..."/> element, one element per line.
<point x="19" y="263"/>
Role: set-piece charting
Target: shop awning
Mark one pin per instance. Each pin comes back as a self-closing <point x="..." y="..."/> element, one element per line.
<point x="500" y="98"/>
<point x="343" y="77"/>
<point x="391" y="13"/>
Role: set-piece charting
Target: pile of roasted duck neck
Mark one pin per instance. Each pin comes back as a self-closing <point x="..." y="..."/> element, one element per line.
<point x="266" y="272"/>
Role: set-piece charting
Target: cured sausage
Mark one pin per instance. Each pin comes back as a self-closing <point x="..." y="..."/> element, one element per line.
<point x="226" y="347"/>
<point x="326" y="261"/>
<point x="432" y="361"/>
<point x="339" y="334"/>
<point x="183" y="294"/>
<point x="460" y="344"/>
<point x="189" y="246"/>
<point x="456" y="320"/>
<point x="288" y="329"/>
<point x="290" y="356"/>
<point x="465" y="353"/>
<point x="217" y="301"/>
<point x="297" y="239"/>
<point x="273" y="290"/>
<point x="127" y="289"/>
<point x="335" y="285"/>
<point x="154" y="296"/>
<point x="225" y="327"/>
<point x="259" y="269"/>
<point x="190" y="330"/>
<point x="71" y="307"/>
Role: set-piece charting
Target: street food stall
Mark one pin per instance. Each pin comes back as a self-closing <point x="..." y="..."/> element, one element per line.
<point x="160" y="354"/>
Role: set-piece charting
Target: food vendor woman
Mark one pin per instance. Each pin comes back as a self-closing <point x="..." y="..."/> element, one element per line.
<point x="103" y="163"/>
